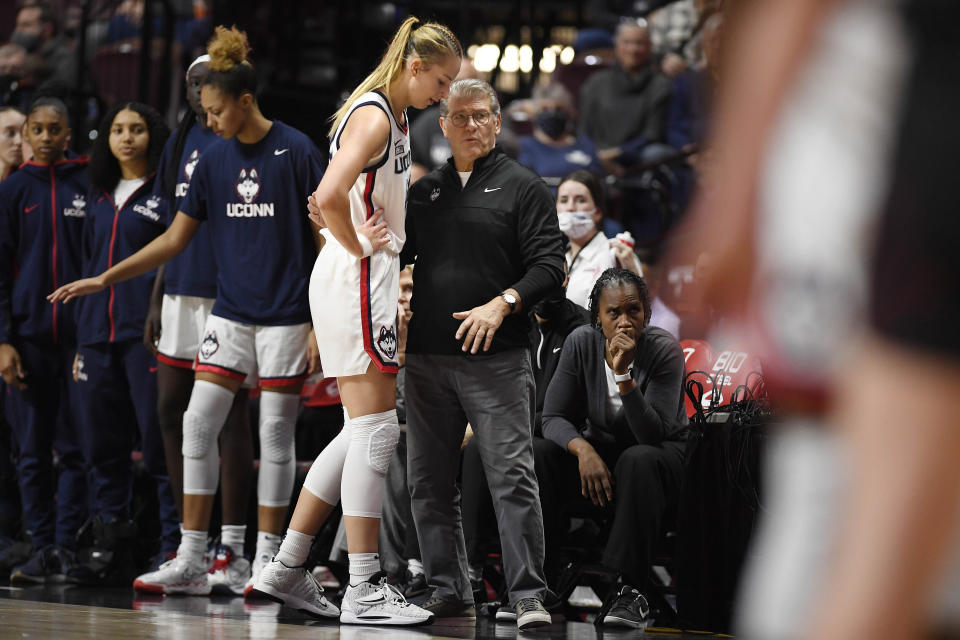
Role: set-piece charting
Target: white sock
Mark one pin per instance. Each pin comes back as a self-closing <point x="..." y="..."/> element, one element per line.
<point x="233" y="536"/>
<point x="267" y="543"/>
<point x="193" y="544"/>
<point x="294" y="549"/>
<point x="415" y="567"/>
<point x="362" y="566"/>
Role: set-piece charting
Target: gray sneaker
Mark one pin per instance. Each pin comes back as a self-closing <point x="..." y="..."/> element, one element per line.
<point x="294" y="587"/>
<point x="530" y="614"/>
<point x="450" y="610"/>
<point x="376" y="602"/>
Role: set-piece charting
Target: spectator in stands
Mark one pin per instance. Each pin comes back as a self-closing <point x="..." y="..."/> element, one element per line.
<point x="36" y="31"/>
<point x="427" y="144"/>
<point x="624" y="109"/>
<point x="46" y="199"/>
<point x="18" y="76"/>
<point x="554" y="149"/>
<point x="114" y="371"/>
<point x="616" y="402"/>
<point x="481" y="208"/>
<point x="580" y="204"/>
<point x="693" y="91"/>
<point x="11" y="140"/>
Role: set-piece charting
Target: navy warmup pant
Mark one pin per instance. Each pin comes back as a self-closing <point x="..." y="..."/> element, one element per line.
<point x="118" y="390"/>
<point x="42" y="420"/>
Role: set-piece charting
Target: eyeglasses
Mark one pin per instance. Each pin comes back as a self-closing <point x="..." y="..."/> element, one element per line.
<point x="459" y="120"/>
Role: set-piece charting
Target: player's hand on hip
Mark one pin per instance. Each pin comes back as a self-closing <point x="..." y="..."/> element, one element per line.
<point x="315" y="214"/>
<point x="375" y="230"/>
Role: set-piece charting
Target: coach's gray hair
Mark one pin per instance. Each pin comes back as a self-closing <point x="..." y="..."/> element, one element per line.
<point x="470" y="88"/>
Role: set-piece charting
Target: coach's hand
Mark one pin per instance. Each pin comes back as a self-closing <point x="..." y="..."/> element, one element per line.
<point x="481" y="323"/>
<point x="11" y="367"/>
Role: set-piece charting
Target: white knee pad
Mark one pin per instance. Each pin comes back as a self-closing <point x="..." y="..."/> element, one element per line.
<point x="373" y="439"/>
<point x="378" y="433"/>
<point x="277" y="461"/>
<point x="323" y="479"/>
<point x="278" y="421"/>
<point x="201" y="464"/>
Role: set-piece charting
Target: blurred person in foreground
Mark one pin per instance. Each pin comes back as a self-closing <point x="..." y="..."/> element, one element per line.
<point x="863" y="481"/>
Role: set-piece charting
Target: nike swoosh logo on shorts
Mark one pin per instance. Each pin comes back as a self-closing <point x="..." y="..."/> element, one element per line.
<point x="557" y="349"/>
<point x="280" y="152"/>
<point x="31" y="208"/>
<point x="485" y="190"/>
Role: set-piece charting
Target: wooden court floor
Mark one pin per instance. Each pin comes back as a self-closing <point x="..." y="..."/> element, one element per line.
<point x="70" y="613"/>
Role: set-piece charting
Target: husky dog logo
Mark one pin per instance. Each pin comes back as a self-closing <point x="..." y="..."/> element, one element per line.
<point x="387" y="342"/>
<point x="434" y="194"/>
<point x="248" y="185"/>
<point x="209" y="345"/>
<point x="150" y="210"/>
<point x="191" y="165"/>
<point x="153" y="202"/>
<point x="79" y="208"/>
<point x="80" y="373"/>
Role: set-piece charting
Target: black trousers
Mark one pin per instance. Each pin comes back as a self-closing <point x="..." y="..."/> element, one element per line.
<point x="647" y="481"/>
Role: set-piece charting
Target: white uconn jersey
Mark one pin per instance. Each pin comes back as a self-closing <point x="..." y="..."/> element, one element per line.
<point x="384" y="183"/>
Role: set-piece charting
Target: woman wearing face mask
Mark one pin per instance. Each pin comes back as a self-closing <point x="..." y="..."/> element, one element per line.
<point x="580" y="210"/>
<point x="114" y="372"/>
<point x="553" y="150"/>
<point x="11" y="140"/>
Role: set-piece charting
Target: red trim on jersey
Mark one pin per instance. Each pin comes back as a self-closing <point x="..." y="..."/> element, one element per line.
<point x="180" y="363"/>
<point x="212" y="368"/>
<point x="53" y="215"/>
<point x="113" y="239"/>
<point x="366" y="328"/>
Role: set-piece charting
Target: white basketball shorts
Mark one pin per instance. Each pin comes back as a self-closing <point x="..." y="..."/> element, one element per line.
<point x="354" y="308"/>
<point x="182" y="319"/>
<point x="237" y="350"/>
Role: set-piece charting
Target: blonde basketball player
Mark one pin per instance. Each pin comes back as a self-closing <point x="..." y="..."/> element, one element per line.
<point x="353" y="299"/>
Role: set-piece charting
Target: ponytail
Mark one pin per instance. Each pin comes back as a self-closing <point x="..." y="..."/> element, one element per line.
<point x="431" y="42"/>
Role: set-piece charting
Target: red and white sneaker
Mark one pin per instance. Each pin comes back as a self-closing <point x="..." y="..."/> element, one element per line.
<point x="229" y="574"/>
<point x="176" y="576"/>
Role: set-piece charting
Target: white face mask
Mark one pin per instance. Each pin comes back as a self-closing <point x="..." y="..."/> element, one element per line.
<point x="576" y="224"/>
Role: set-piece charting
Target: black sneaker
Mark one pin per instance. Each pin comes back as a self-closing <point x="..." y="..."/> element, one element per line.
<point x="530" y="614"/>
<point x="450" y="610"/>
<point x="630" y="609"/>
<point x="43" y="566"/>
<point x="414" y="585"/>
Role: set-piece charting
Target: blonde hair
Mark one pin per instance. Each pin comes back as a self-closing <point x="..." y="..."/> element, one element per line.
<point x="429" y="41"/>
<point x="230" y="71"/>
<point x="227" y="48"/>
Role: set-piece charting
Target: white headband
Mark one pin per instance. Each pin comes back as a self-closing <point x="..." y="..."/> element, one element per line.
<point x="200" y="59"/>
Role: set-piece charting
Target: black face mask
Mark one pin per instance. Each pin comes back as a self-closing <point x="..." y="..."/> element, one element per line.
<point x="550" y="308"/>
<point x="552" y="122"/>
<point x="29" y="41"/>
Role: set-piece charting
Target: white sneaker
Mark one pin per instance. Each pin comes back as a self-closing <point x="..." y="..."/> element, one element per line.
<point x="229" y="573"/>
<point x="260" y="560"/>
<point x="176" y="576"/>
<point x="376" y="602"/>
<point x="294" y="587"/>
